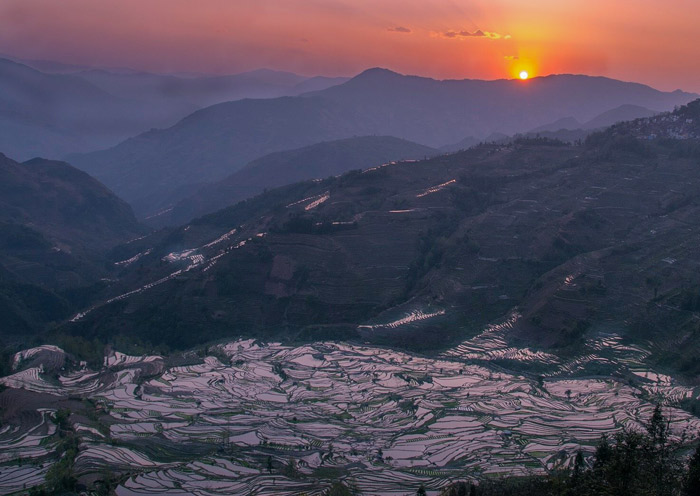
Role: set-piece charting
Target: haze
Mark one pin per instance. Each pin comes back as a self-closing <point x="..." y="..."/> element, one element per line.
<point x="636" y="41"/>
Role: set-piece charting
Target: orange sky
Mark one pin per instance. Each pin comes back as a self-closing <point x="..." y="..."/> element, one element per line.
<point x="650" y="41"/>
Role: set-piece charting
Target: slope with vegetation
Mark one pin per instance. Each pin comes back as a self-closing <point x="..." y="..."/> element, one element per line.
<point x="563" y="235"/>
<point x="56" y="225"/>
<point x="317" y="161"/>
<point x="633" y="463"/>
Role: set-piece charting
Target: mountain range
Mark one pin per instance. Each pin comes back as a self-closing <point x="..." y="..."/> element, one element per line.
<point x="613" y="116"/>
<point x="156" y="169"/>
<point x="319" y="161"/>
<point x="344" y="228"/>
<point x="561" y="240"/>
<point x="52" y="113"/>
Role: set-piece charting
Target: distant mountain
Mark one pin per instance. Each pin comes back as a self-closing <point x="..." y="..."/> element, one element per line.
<point x="452" y="109"/>
<point x="156" y="169"/>
<point x="184" y="95"/>
<point x="563" y="123"/>
<point x="67" y="110"/>
<point x="471" y="141"/>
<point x="562" y="242"/>
<point x="317" y="83"/>
<point x="56" y="226"/>
<point x="607" y="118"/>
<point x="683" y="124"/>
<point x="47" y="66"/>
<point x="463" y="144"/>
<point x="52" y="114"/>
<point x="619" y="114"/>
<point x="566" y="129"/>
<point x="277" y="169"/>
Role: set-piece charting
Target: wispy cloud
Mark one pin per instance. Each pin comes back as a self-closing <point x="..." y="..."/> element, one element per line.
<point x="511" y="57"/>
<point x="399" y="29"/>
<point x="475" y="34"/>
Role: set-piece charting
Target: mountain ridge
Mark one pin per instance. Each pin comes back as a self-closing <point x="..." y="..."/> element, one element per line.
<point x="414" y="254"/>
<point x="54" y="114"/>
<point x="56" y="226"/>
<point x="316" y="161"/>
<point x="221" y="139"/>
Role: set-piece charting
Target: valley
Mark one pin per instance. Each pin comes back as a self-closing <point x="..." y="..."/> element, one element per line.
<point x="349" y="248"/>
<point x="249" y="417"/>
<point x="391" y="319"/>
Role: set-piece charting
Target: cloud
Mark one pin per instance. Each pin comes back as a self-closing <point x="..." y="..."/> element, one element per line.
<point x="399" y="29"/>
<point x="511" y="57"/>
<point x="476" y="34"/>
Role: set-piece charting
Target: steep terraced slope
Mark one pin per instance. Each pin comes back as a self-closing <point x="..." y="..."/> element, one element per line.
<point x="575" y="239"/>
<point x="317" y="161"/>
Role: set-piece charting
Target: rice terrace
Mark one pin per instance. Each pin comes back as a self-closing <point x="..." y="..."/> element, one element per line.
<point x="262" y="418"/>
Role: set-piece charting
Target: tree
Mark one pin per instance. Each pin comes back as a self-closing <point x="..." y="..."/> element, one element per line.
<point x="657" y="429"/>
<point x="645" y="463"/>
<point x="421" y="491"/>
<point x="603" y="452"/>
<point x="579" y="467"/>
<point x="338" y="489"/>
<point x="691" y="487"/>
<point x="290" y="470"/>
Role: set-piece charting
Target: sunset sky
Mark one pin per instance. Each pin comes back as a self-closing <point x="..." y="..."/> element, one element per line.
<point x="649" y="41"/>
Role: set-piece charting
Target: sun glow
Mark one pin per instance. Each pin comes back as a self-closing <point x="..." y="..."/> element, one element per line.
<point x="524" y="75"/>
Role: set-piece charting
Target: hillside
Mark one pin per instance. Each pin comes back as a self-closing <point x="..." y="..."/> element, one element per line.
<point x="56" y="225"/>
<point x="317" y="161"/>
<point x="156" y="169"/>
<point x="426" y="253"/>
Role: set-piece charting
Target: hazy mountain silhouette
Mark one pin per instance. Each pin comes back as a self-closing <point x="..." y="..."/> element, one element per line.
<point x="47" y="66"/>
<point x="69" y="111"/>
<point x="184" y="95"/>
<point x="321" y="160"/>
<point x="563" y="123"/>
<point x="156" y="169"/>
<point x="618" y="114"/>
<point x="448" y="107"/>
<point x="52" y="114"/>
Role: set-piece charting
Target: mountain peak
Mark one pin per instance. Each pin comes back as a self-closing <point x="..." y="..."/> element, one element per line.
<point x="376" y="73"/>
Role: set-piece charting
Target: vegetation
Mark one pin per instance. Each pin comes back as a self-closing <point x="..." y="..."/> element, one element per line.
<point x="60" y="476"/>
<point x="340" y="489"/>
<point x="631" y="464"/>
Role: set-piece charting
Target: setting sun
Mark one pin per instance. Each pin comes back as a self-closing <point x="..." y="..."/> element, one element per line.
<point x="524" y="75"/>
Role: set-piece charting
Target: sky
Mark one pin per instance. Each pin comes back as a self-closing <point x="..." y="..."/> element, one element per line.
<point x="650" y="41"/>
